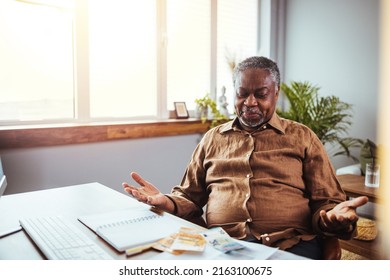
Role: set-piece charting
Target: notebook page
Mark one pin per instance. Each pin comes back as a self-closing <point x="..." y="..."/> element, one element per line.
<point x="131" y="227"/>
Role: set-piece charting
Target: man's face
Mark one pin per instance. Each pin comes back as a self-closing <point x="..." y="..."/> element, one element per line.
<point x="256" y="97"/>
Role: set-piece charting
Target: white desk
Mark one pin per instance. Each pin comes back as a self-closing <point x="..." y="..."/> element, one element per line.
<point x="70" y="202"/>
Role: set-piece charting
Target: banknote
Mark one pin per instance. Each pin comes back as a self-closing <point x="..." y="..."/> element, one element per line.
<point x="189" y="239"/>
<point x="220" y="240"/>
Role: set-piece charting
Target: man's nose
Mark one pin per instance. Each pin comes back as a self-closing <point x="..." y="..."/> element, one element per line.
<point x="250" y="100"/>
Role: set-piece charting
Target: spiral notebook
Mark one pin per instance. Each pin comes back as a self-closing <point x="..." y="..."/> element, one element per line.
<point x="128" y="228"/>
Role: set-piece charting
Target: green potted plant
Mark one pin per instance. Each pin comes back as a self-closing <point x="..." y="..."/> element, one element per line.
<point x="328" y="116"/>
<point x="205" y="104"/>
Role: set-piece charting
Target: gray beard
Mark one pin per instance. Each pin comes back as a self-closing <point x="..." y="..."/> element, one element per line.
<point x="251" y="124"/>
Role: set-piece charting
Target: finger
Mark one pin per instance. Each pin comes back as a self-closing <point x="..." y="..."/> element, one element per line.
<point x="136" y="177"/>
<point x="351" y="216"/>
<point x="325" y="215"/>
<point x="357" y="202"/>
<point x="131" y="190"/>
<point x="339" y="219"/>
<point x="333" y="218"/>
<point x="126" y="186"/>
<point x="324" y="218"/>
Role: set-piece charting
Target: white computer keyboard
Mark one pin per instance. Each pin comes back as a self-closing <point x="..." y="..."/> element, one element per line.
<point x="59" y="239"/>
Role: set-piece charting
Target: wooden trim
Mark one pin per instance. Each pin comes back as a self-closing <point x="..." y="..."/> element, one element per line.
<point x="36" y="136"/>
<point x="368" y="249"/>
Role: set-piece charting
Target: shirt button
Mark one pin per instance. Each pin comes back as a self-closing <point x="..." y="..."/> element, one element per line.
<point x="267" y="238"/>
<point x="247" y="195"/>
<point x="249" y="220"/>
<point x="248" y="155"/>
<point x="248" y="175"/>
<point x="264" y="127"/>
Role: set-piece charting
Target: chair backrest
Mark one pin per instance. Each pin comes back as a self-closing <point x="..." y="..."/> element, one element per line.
<point x="331" y="248"/>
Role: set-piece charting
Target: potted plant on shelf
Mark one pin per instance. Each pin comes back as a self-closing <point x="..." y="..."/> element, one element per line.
<point x="328" y="117"/>
<point x="206" y="105"/>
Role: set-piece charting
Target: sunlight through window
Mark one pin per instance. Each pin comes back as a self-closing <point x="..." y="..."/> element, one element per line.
<point x="36" y="54"/>
<point x="123" y="67"/>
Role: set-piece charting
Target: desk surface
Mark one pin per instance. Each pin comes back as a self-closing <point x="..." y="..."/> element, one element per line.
<point x="70" y="202"/>
<point x="353" y="185"/>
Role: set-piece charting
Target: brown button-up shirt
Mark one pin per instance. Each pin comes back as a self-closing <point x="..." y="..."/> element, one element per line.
<point x="274" y="180"/>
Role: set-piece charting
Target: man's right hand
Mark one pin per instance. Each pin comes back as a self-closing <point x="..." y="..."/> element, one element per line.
<point x="148" y="193"/>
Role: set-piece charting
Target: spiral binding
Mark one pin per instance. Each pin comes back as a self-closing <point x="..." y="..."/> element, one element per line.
<point x="131" y="221"/>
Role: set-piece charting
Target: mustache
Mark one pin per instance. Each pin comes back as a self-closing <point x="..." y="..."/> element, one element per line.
<point x="251" y="110"/>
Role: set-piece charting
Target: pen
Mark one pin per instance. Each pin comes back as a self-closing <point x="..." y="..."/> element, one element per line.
<point x="10" y="231"/>
<point x="139" y="249"/>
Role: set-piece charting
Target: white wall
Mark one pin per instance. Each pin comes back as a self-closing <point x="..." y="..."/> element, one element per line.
<point x="160" y="160"/>
<point x="334" y="44"/>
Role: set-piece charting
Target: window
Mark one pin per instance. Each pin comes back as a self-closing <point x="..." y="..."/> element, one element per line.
<point x="36" y="54"/>
<point x="188" y="50"/>
<point x="122" y="58"/>
<point x="118" y="59"/>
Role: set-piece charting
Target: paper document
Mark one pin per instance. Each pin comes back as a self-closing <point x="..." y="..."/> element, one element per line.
<point x="128" y="228"/>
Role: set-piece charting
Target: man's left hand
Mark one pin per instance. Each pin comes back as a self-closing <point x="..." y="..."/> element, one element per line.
<point x="342" y="216"/>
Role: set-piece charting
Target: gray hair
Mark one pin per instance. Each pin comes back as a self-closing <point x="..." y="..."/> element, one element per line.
<point x="258" y="62"/>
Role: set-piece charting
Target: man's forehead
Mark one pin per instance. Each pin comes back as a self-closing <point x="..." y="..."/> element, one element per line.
<point x="255" y="75"/>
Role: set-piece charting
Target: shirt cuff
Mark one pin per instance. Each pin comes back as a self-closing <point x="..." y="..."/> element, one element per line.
<point x="174" y="205"/>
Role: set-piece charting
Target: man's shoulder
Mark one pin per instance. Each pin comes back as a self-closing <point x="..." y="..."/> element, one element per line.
<point x="216" y="133"/>
<point x="221" y="128"/>
<point x="293" y="127"/>
<point x="291" y="123"/>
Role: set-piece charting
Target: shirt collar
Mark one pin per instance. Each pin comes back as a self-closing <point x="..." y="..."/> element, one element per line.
<point x="275" y="122"/>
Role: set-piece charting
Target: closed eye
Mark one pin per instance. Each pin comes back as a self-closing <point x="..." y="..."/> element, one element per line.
<point x="258" y="94"/>
<point x="261" y="95"/>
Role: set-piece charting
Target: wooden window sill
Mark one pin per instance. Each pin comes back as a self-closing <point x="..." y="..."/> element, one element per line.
<point x="51" y="135"/>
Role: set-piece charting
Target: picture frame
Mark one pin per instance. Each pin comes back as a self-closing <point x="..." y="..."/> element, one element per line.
<point x="181" y="110"/>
